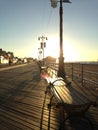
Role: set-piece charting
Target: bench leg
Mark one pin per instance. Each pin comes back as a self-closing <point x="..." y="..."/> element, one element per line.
<point x="50" y="104"/>
<point x="47" y="89"/>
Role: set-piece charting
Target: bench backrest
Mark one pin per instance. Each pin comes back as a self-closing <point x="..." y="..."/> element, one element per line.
<point x="67" y="95"/>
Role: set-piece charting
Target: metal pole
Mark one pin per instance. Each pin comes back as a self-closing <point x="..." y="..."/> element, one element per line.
<point x="61" y="72"/>
<point x="82" y="74"/>
<point x="72" y="71"/>
<point x="43" y="53"/>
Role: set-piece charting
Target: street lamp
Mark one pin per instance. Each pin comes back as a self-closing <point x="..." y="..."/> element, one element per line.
<point x="42" y="44"/>
<point x="61" y="72"/>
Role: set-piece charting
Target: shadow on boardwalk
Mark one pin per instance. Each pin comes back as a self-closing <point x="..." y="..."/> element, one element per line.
<point x="23" y="103"/>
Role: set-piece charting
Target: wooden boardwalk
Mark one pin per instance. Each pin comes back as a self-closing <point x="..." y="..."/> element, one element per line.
<point x="23" y="103"/>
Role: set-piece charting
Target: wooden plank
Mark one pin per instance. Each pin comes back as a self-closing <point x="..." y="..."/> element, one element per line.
<point x="24" y="106"/>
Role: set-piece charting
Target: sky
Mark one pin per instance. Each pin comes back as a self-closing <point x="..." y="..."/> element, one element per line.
<point x="23" y="21"/>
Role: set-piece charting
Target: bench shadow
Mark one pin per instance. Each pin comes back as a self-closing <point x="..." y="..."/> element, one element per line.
<point x="42" y="114"/>
<point x="83" y="122"/>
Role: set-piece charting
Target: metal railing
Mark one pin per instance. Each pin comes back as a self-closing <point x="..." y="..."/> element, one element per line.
<point x="82" y="73"/>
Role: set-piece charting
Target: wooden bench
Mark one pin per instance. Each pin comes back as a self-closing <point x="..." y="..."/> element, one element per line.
<point x="72" y="101"/>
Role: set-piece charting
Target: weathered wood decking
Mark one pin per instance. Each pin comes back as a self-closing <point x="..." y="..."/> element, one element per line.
<point x="23" y="105"/>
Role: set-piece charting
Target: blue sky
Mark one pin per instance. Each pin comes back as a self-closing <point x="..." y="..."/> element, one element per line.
<point x="23" y="21"/>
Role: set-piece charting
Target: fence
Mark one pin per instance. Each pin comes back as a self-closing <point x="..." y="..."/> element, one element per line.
<point x="82" y="73"/>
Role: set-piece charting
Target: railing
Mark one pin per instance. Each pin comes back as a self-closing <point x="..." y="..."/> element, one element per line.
<point x="82" y="73"/>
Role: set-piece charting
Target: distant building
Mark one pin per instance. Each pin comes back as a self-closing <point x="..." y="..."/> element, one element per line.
<point x="5" y="57"/>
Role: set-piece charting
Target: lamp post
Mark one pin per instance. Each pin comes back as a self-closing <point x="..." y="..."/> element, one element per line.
<point x="42" y="44"/>
<point x="39" y="53"/>
<point x="61" y="72"/>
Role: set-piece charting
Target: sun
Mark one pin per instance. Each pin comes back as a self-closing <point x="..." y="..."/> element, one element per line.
<point x="52" y="49"/>
<point x="70" y="54"/>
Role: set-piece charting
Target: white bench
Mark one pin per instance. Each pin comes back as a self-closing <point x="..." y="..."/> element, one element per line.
<point x="71" y="100"/>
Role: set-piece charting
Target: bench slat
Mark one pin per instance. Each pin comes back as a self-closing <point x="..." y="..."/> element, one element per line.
<point x="70" y="94"/>
<point x="63" y="94"/>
